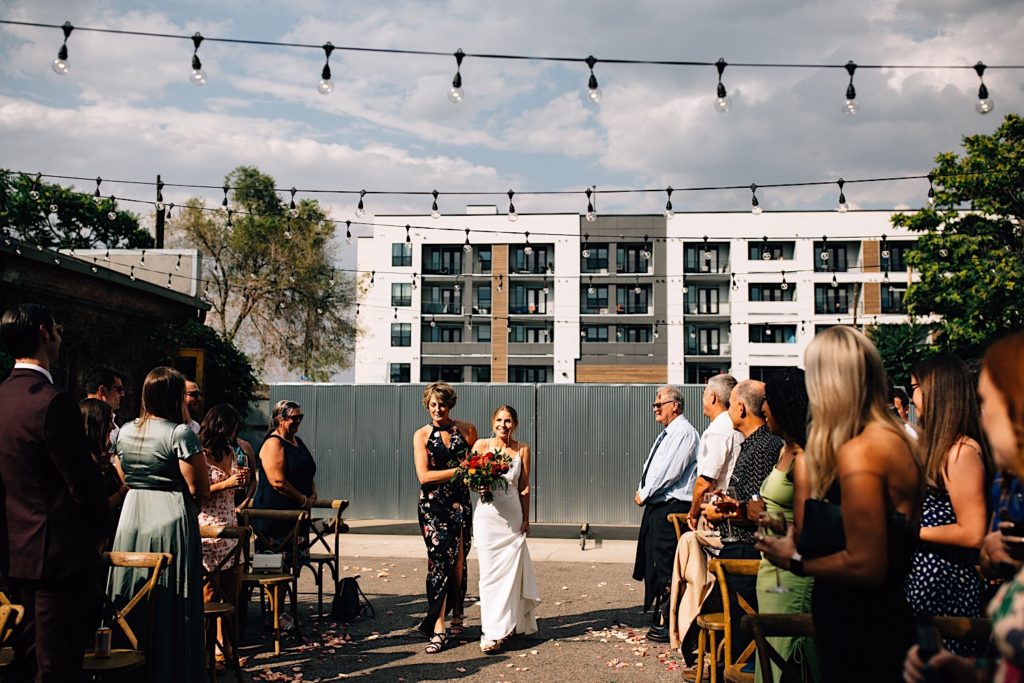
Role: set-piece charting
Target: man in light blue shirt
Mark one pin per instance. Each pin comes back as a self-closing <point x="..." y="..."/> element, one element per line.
<point x="666" y="486"/>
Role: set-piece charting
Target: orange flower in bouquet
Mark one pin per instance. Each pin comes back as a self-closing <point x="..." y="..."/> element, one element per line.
<point x="484" y="473"/>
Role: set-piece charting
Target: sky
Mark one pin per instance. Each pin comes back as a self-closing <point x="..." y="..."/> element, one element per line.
<point x="126" y="108"/>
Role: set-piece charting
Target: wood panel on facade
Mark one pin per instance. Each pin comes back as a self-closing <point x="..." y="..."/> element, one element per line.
<point x="631" y="374"/>
<point x="872" y="298"/>
<point x="872" y="261"/>
<point x="499" y="319"/>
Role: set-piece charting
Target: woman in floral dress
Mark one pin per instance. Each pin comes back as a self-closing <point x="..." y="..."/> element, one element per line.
<point x="445" y="512"/>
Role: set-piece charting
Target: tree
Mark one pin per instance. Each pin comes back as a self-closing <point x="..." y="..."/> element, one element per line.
<point x="970" y="256"/>
<point x="269" y="276"/>
<point x="57" y="217"/>
<point x="901" y="347"/>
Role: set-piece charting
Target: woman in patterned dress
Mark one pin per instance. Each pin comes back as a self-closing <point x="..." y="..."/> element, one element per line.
<point x="217" y="435"/>
<point x="943" y="579"/>
<point x="445" y="512"/>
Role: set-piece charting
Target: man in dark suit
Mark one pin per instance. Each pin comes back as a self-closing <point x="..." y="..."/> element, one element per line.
<point x="55" y="514"/>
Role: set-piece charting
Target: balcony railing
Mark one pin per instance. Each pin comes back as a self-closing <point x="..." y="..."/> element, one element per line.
<point x="694" y="348"/>
<point x="436" y="307"/>
<point x="633" y="309"/>
<point x="528" y="310"/>
<point x="694" y="308"/>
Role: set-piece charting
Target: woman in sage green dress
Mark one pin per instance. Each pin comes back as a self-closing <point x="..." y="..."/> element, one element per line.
<point x="779" y="591"/>
<point x="165" y="469"/>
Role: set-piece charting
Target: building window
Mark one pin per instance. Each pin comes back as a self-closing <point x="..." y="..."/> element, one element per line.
<point x="756" y="250"/>
<point x="629" y="258"/>
<point x="829" y="299"/>
<point x="772" y="334"/>
<point x="443" y="299"/>
<point x="703" y="341"/>
<point x="400" y="372"/>
<point x="401" y="334"/>
<point x="628" y="302"/>
<point x="441" y="333"/>
<point x="595" y="333"/>
<point x="482" y="332"/>
<point x="836" y="261"/>
<point x="537" y="262"/>
<point x="762" y="373"/>
<point x="401" y="294"/>
<point x="700" y="373"/>
<point x="483" y="299"/>
<point x="597" y="261"/>
<point x="702" y="301"/>
<point x="594" y="302"/>
<point x="441" y="373"/>
<point x="483" y="260"/>
<point x="714" y="258"/>
<point x="528" y="299"/>
<point x="529" y="374"/>
<point x="634" y="334"/>
<point x="481" y="373"/>
<point x="442" y="260"/>
<point x="771" y="292"/>
<point x="897" y="261"/>
<point x="892" y="299"/>
<point x="530" y="334"/>
<point x="400" y="256"/>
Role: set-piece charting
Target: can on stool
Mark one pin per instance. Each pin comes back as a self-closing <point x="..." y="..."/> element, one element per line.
<point x="102" y="649"/>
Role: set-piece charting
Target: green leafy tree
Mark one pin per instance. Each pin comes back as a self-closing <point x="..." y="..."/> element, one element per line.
<point x="269" y="276"/>
<point x="970" y="255"/>
<point x="901" y="347"/>
<point x="53" y="216"/>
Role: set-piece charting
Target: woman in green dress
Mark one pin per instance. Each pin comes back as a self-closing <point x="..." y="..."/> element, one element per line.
<point x="165" y="469"/>
<point x="779" y="591"/>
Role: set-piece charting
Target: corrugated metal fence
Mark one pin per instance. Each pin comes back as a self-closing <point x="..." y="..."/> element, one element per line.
<point x="589" y="442"/>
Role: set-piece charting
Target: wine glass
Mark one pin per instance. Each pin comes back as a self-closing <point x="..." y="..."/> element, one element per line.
<point x="774" y="523"/>
<point x="729" y="507"/>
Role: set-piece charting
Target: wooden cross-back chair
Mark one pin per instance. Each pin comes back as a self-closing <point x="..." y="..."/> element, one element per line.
<point x="10" y="616"/>
<point x="134" y="657"/>
<point x="711" y="625"/>
<point x="678" y="520"/>
<point x="224" y="606"/>
<point x="273" y="585"/>
<point x="327" y="529"/>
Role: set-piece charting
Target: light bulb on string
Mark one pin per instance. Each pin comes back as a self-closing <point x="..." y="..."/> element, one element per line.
<point x="528" y="250"/>
<point x="288" y="230"/>
<point x="656" y="335"/>
<point x="60" y="64"/>
<point x="645" y="253"/>
<point x="984" y="105"/>
<point x="766" y="254"/>
<point x="373" y="277"/>
<point x="591" y="213"/>
<point x="545" y="289"/>
<point x="228" y="225"/>
<point x="590" y="285"/>
<point x="457" y="287"/>
<point x="885" y="276"/>
<point x="824" y="249"/>
<point x="735" y="287"/>
<point x="159" y="194"/>
<point x="224" y="202"/>
<point x="512" y="215"/>
<point x="593" y="92"/>
<point x="885" y="253"/>
<point x="835" y="282"/>
<point x="842" y="207"/>
<point x="686" y="289"/>
<point x="707" y="250"/>
<point x="396" y="314"/>
<point x="360" y="209"/>
<point x="669" y="213"/>
<point x="585" y="253"/>
<point x="112" y="214"/>
<point x="850" y="105"/>
<point x="198" y="76"/>
<point x="53" y="208"/>
<point x="755" y="206"/>
<point x="636" y="286"/>
<point x="408" y="240"/>
<point x="435" y="212"/>
<point x="326" y="86"/>
<point x="94" y="267"/>
<point x="96" y="196"/>
<point x="931" y="189"/>
<point x="722" y="103"/>
<point x="348" y="232"/>
<point x="177" y="264"/>
<point x="34" y="192"/>
<point x="413" y="281"/>
<point x="785" y="285"/>
<point x="455" y="92"/>
<point x="292" y="210"/>
<point x="501" y="283"/>
<point x="467" y="247"/>
<point x="131" y="274"/>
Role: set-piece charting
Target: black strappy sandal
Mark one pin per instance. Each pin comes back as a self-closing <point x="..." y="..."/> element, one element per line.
<point x="458" y="626"/>
<point x="436" y="644"/>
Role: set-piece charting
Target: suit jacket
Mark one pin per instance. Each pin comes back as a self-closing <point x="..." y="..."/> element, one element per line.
<point x="55" y="511"/>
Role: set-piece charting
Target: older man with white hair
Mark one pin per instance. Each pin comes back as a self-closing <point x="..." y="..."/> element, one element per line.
<point x="719" y="444"/>
<point x="666" y="486"/>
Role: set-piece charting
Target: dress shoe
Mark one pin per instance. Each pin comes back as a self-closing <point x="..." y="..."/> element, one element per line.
<point x="658" y="634"/>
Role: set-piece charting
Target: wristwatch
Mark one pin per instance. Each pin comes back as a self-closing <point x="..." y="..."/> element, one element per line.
<point x="796" y="564"/>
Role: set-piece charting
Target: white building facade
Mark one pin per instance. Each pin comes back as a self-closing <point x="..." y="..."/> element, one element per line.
<point x="628" y="298"/>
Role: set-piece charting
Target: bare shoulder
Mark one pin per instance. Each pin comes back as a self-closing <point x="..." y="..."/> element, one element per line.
<point x="272" y="446"/>
<point x="468" y="429"/>
<point x="966" y="450"/>
<point x="481" y="445"/>
<point x="421" y="434"/>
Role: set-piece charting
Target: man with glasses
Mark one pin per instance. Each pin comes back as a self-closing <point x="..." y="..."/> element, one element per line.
<point x="666" y="486"/>
<point x="107" y="385"/>
<point x="194" y="403"/>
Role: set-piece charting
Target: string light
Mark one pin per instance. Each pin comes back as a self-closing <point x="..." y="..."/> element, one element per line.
<point x="292" y="210"/>
<point x="325" y="86"/>
<point x="373" y="277"/>
<point x="512" y="215"/>
<point x="288" y="230"/>
<point x="545" y="289"/>
<point x="501" y="282"/>
<point x="348" y="232"/>
<point x="636" y="286"/>
<point x="433" y="323"/>
<point x="455" y="92"/>
<point x="931" y="190"/>
<point x="755" y="207"/>
<point x="835" y="282"/>
<point x="112" y="214"/>
<point x="528" y="250"/>
<point x="707" y="250"/>
<point x="467" y="247"/>
<point x="585" y="253"/>
<point x="785" y="285"/>
<point x="224" y="202"/>
<point x="360" y="209"/>
<point x="722" y="103"/>
<point x="824" y="249"/>
<point x="590" y="285"/>
<point x="96" y="196"/>
<point x="408" y="239"/>
<point x="885" y="248"/>
<point x="591" y="214"/>
<point x="228" y="225"/>
<point x="645" y="253"/>
<point x="984" y="105"/>
<point x="198" y="76"/>
<point x="593" y="92"/>
<point x="159" y="194"/>
<point x="843" y="207"/>
<point x="850" y="105"/>
<point x="435" y="212"/>
<point x="669" y="213"/>
<point x="131" y="274"/>
<point x="34" y="192"/>
<point x="168" y="279"/>
<point x="766" y="254"/>
<point x="396" y="314"/>
<point x="686" y="289"/>
<point x="735" y="287"/>
<point x="413" y="281"/>
<point x="60" y="64"/>
<point x="177" y="265"/>
<point x="457" y="287"/>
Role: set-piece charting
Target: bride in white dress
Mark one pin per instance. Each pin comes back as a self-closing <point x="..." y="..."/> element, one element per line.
<point x="508" y="587"/>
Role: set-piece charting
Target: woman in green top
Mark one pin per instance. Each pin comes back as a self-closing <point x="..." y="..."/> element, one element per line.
<point x="165" y="469"/>
<point x="778" y="591"/>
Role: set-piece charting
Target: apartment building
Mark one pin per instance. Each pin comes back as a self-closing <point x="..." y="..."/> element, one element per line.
<point x="623" y="298"/>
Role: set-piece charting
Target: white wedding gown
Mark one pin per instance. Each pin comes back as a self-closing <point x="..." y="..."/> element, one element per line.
<point x="508" y="587"/>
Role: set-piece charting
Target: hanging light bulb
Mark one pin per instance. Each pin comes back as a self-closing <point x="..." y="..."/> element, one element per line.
<point x="293" y="211"/>
<point x="824" y="249"/>
<point x="457" y="287"/>
<point x="593" y="92"/>
<point x="755" y="206"/>
<point x="348" y="232"/>
<point x="590" y="285"/>
<point x="433" y="323"/>
<point x="467" y="247"/>
<point x="735" y="287"/>
<point x="722" y="103"/>
<point x="435" y="212"/>
<point x="60" y="64"/>
<point x="96" y="196"/>
<point x="591" y="213"/>
<point x="528" y="250"/>
<point x="501" y="283"/>
<point x="408" y="240"/>
<point x="455" y="92"/>
<point x="112" y="214"/>
<point x="656" y="335"/>
<point x="325" y="86"/>
<point x="645" y="253"/>
<point x="636" y="287"/>
<point x="585" y="253"/>
<point x="843" y="207"/>
<point x="885" y="253"/>
<point x="835" y="282"/>
<point x="931" y="189"/>
<point x="984" y="105"/>
<point x="669" y="213"/>
<point x="707" y="251"/>
<point x="360" y="209"/>
<point x="686" y="289"/>
<point x="766" y="254"/>
<point x="512" y="215"/>
<point x="885" y="276"/>
<point x="198" y="76"/>
<point x="850" y="105"/>
<point x="546" y="290"/>
<point x="785" y="285"/>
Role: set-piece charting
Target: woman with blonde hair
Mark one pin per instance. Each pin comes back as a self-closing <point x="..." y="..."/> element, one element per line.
<point x="445" y="512"/>
<point x="859" y="526"/>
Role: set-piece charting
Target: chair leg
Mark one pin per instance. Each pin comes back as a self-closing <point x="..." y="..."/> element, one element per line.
<point x="231" y="644"/>
<point x="701" y="637"/>
<point x="714" y="656"/>
<point x="275" y="599"/>
<point x="211" y="648"/>
<point x="319" y="589"/>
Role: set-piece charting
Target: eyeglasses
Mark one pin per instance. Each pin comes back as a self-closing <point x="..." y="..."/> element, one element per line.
<point x="657" y="406"/>
<point x="194" y="394"/>
<point x="914" y="387"/>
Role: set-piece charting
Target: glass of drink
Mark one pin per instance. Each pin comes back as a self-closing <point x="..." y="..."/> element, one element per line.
<point x="772" y="523"/>
<point x="729" y="507"/>
<point x="242" y="460"/>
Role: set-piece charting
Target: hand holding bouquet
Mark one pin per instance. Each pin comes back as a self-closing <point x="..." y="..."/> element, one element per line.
<point x="484" y="472"/>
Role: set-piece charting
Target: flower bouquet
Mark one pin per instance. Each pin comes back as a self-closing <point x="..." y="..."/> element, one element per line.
<point x="484" y="472"/>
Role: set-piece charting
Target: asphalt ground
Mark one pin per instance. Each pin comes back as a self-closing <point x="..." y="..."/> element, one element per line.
<point x="591" y="626"/>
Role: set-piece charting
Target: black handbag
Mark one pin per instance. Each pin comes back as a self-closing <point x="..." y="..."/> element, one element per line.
<point x="822" y="533"/>
<point x="350" y="602"/>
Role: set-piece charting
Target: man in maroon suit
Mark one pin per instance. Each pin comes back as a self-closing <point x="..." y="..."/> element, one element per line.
<point x="55" y="514"/>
